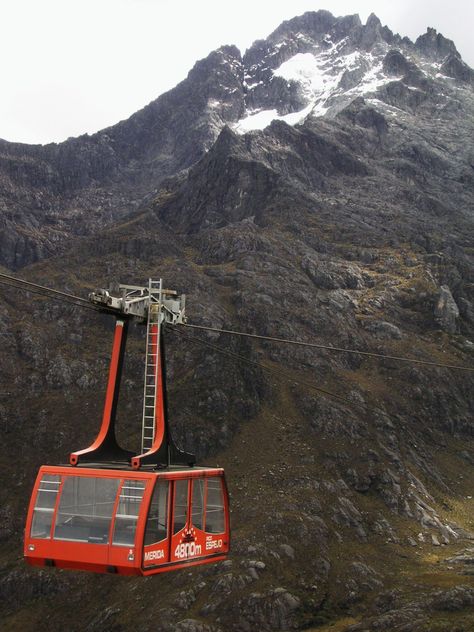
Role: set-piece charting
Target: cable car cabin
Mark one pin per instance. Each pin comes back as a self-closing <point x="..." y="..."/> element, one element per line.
<point x="115" y="511"/>
<point x="125" y="521"/>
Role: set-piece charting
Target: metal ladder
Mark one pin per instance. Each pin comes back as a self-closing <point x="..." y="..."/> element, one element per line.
<point x="152" y="366"/>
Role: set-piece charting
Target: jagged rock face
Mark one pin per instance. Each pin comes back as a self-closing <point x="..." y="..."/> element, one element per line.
<point x="318" y="64"/>
<point x="50" y="193"/>
<point x="313" y="65"/>
<point x="351" y="229"/>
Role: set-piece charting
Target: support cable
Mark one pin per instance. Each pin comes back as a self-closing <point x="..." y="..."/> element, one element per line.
<point x="242" y="358"/>
<point x="331" y="348"/>
<point x="285" y="374"/>
<point x="56" y="295"/>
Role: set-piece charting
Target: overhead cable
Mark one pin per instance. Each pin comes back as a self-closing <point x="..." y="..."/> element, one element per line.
<point x="56" y="295"/>
<point x="242" y="358"/>
<point x="331" y="348"/>
<point x="82" y="302"/>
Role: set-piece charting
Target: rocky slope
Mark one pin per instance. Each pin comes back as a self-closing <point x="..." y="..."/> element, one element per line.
<point x="352" y="228"/>
<point x="314" y="64"/>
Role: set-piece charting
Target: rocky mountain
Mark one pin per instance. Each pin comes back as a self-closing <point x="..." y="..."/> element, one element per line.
<point x="319" y="187"/>
<point x="314" y="65"/>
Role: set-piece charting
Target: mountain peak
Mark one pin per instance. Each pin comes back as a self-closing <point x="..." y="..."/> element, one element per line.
<point x="373" y="20"/>
<point x="314" y="22"/>
<point x="435" y="45"/>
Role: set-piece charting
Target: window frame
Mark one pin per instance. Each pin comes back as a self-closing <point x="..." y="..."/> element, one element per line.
<point x="49" y="510"/>
<point x="125" y="517"/>
<point x="222" y="508"/>
<point x="108" y="519"/>
<point x="62" y="477"/>
<point x="188" y="504"/>
<point x="168" y="525"/>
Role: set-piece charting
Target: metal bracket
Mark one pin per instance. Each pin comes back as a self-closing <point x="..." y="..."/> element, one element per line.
<point x="135" y="301"/>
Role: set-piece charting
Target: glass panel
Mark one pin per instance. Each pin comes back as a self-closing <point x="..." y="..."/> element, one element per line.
<point x="85" y="509"/>
<point x="157" y="523"/>
<point x="180" y="505"/>
<point x="44" y="507"/>
<point x="215" y="506"/>
<point x="198" y="503"/>
<point x="128" y="508"/>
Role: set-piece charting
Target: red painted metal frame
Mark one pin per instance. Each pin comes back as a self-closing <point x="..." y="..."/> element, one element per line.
<point x="105" y="446"/>
<point x="163" y="450"/>
<point x="106" y="558"/>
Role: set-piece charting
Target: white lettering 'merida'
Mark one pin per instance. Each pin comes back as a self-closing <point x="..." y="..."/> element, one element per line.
<point x="154" y="555"/>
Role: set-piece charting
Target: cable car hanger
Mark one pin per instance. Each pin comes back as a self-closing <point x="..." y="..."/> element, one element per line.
<point x="154" y="306"/>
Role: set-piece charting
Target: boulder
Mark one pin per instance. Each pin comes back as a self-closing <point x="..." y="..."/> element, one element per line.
<point x="446" y="310"/>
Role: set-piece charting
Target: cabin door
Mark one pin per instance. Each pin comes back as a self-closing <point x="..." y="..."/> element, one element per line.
<point x="123" y="537"/>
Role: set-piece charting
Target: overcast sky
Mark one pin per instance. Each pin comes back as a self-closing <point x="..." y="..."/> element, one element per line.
<point x="75" y="66"/>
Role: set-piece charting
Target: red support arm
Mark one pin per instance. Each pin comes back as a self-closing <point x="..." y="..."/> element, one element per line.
<point x="163" y="451"/>
<point x="105" y="446"/>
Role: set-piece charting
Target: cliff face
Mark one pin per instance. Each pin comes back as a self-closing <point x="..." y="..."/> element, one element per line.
<point x="51" y="193"/>
<point x="315" y="64"/>
<point x="352" y="228"/>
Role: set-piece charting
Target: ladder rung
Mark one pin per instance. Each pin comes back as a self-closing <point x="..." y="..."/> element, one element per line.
<point x="151" y="377"/>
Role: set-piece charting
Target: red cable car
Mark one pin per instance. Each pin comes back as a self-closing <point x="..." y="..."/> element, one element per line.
<point x="112" y="512"/>
<point x="125" y="521"/>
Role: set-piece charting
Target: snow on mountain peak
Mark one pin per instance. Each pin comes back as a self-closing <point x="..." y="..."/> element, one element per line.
<point x="323" y="79"/>
<point x="317" y="65"/>
<point x="304" y="68"/>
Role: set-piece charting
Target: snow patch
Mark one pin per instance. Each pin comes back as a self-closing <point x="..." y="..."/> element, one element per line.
<point x="349" y="61"/>
<point x="318" y="75"/>
<point x="253" y="85"/>
<point x="261" y="120"/>
<point x="255" y="120"/>
<point x="305" y="69"/>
